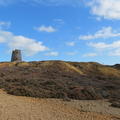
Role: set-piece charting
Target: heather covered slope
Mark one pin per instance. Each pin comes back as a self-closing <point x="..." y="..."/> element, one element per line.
<point x="59" y="79"/>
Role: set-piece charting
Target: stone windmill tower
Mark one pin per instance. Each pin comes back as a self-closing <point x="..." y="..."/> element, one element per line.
<point x="16" y="56"/>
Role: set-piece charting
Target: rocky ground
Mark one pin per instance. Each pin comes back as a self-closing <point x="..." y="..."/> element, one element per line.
<point x="22" y="108"/>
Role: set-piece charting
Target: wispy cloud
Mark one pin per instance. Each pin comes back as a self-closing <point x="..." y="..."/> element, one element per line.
<point x="105" y="32"/>
<point x="71" y="53"/>
<point x="70" y="43"/>
<point x="113" y="48"/>
<point x="59" y="21"/>
<point x="7" y="2"/>
<point x="4" y="24"/>
<point x="58" y="2"/>
<point x="90" y="55"/>
<point x="48" y="29"/>
<point x="115" y="53"/>
<point x="52" y="54"/>
<point x="28" y="45"/>
<point x="43" y="2"/>
<point x="99" y="45"/>
<point x="108" y="9"/>
<point x="102" y="45"/>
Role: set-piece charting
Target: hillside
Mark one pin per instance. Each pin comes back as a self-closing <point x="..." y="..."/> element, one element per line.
<point x="59" y="79"/>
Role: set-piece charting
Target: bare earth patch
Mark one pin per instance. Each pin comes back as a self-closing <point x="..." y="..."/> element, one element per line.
<point x="23" y="108"/>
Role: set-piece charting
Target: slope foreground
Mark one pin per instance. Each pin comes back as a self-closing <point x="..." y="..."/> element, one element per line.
<point x="22" y="108"/>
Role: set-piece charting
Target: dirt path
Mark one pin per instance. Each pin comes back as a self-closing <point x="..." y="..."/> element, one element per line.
<point x="22" y="108"/>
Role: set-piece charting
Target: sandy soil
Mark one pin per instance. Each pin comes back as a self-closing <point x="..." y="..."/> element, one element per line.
<point x="22" y="108"/>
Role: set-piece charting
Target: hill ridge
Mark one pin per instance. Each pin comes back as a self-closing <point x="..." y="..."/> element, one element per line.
<point x="60" y="79"/>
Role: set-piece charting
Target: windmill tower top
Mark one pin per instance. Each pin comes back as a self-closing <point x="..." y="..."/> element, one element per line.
<point x="16" y="56"/>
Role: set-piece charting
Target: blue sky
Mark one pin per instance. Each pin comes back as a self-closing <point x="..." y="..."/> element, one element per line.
<point x="71" y="30"/>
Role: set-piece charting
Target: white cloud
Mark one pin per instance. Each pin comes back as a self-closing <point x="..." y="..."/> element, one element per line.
<point x="115" y="53"/>
<point x="48" y="29"/>
<point x="4" y="24"/>
<point x="105" y="32"/>
<point x="113" y="49"/>
<point x="90" y="55"/>
<point x="108" y="9"/>
<point x="28" y="45"/>
<point x="70" y="44"/>
<point x="102" y="45"/>
<point x="52" y="54"/>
